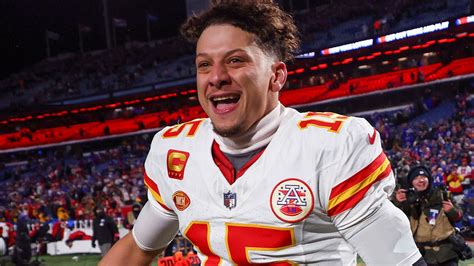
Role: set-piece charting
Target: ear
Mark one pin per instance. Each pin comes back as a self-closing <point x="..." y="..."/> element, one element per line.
<point x="279" y="76"/>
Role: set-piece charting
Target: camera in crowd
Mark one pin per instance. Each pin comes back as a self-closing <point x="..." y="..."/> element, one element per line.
<point x="459" y="244"/>
<point x="412" y="195"/>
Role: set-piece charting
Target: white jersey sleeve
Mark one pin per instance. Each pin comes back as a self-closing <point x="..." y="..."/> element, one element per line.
<point x="155" y="228"/>
<point x="357" y="199"/>
<point x="157" y="224"/>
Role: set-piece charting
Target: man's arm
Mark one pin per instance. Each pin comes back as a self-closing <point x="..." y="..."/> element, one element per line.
<point x="384" y="237"/>
<point x="126" y="252"/>
<point x="453" y="212"/>
<point x="359" y="205"/>
<point x="154" y="229"/>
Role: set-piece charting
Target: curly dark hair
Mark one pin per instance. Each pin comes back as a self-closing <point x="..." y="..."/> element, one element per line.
<point x="275" y="30"/>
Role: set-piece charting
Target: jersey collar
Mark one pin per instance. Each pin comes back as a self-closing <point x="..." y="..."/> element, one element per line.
<point x="225" y="165"/>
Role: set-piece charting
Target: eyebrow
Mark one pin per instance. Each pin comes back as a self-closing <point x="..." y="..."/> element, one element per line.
<point x="225" y="54"/>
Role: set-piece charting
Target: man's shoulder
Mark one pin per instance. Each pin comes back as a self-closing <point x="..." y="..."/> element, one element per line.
<point x="183" y="133"/>
<point x="326" y="124"/>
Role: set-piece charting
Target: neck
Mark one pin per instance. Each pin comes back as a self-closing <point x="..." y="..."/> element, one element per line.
<point x="258" y="136"/>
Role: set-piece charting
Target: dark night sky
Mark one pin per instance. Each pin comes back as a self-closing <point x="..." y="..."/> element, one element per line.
<point x="23" y="24"/>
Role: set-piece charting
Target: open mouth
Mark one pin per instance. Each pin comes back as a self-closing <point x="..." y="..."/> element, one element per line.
<point x="225" y="102"/>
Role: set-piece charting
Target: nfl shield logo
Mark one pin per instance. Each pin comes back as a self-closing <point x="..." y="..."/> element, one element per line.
<point x="230" y="200"/>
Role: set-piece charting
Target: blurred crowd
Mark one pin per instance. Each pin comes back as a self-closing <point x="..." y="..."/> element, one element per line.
<point x="445" y="146"/>
<point x="77" y="181"/>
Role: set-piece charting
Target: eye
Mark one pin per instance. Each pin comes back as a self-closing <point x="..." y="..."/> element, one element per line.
<point x="202" y="64"/>
<point x="235" y="60"/>
<point x="203" y="67"/>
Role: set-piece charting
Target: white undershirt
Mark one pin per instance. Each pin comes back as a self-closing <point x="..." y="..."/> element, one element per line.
<point x="257" y="137"/>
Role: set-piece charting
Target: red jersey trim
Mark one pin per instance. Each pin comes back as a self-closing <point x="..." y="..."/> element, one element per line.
<point x="350" y="192"/>
<point x="226" y="167"/>
<point x="155" y="191"/>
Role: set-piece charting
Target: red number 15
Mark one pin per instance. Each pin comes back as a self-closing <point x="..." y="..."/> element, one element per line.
<point x="240" y="239"/>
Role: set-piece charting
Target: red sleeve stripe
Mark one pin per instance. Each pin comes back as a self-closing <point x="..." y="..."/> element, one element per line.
<point x="347" y="194"/>
<point x="355" y="198"/>
<point x="359" y="176"/>
<point x="155" y="191"/>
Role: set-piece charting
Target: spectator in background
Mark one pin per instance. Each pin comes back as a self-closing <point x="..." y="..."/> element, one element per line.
<point x="454" y="181"/>
<point x="431" y="213"/>
<point x="133" y="215"/>
<point x="22" y="251"/>
<point x="439" y="179"/>
<point x="465" y="170"/>
<point x="60" y="225"/>
<point x="40" y="235"/>
<point x="104" y="230"/>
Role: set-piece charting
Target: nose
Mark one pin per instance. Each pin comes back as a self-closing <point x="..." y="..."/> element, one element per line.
<point x="219" y="76"/>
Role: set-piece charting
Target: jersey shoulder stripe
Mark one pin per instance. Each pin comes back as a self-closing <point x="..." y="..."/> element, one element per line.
<point x="155" y="191"/>
<point x="348" y="193"/>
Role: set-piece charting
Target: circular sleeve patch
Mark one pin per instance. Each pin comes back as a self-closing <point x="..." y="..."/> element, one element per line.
<point x="181" y="200"/>
<point x="292" y="200"/>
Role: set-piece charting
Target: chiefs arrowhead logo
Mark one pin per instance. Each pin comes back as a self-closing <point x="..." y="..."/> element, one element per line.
<point x="372" y="138"/>
<point x="176" y="162"/>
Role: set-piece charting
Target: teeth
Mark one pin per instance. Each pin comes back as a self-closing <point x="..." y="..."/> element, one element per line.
<point x="223" y="98"/>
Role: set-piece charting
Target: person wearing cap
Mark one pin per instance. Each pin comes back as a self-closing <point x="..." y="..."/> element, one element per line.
<point x="432" y="215"/>
<point x="104" y="230"/>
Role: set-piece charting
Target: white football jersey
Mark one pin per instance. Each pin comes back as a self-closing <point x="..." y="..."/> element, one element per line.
<point x="311" y="197"/>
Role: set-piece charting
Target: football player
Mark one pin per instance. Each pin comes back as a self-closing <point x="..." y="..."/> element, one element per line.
<point x="257" y="182"/>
